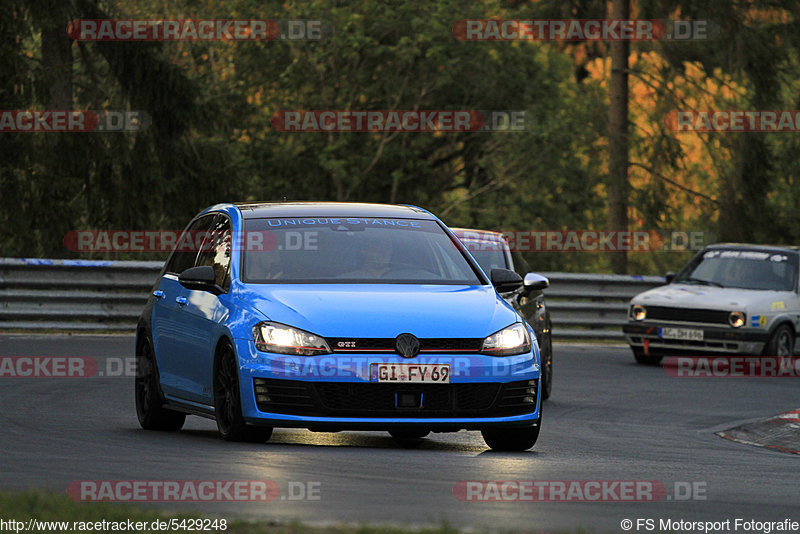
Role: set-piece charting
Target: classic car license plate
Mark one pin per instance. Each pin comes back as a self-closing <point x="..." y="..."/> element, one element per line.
<point x="690" y="334"/>
<point x="413" y="373"/>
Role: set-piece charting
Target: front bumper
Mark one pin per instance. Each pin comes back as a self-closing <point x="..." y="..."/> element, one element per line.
<point x="716" y="339"/>
<point x="334" y="392"/>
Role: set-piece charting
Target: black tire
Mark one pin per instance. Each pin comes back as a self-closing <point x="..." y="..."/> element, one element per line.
<point x="149" y="399"/>
<point x="401" y="435"/>
<point x="781" y="342"/>
<point x="511" y="439"/>
<point x="642" y="358"/>
<point x="228" y="402"/>
<point x="547" y="369"/>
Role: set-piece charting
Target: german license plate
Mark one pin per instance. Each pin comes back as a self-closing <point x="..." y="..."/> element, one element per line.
<point x="410" y="373"/>
<point x="688" y="334"/>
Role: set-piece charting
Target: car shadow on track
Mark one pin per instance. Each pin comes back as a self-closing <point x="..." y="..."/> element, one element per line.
<point x="373" y="440"/>
<point x="303" y="438"/>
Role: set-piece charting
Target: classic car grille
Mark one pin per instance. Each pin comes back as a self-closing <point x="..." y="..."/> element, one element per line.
<point x="687" y="315"/>
<point x="343" y="344"/>
<point x="360" y="399"/>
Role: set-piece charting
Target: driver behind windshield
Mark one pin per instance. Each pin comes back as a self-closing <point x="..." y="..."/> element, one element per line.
<point x="376" y="255"/>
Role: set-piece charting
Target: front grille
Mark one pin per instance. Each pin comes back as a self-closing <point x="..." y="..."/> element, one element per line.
<point x="345" y="344"/>
<point x="687" y="315"/>
<point x="364" y="399"/>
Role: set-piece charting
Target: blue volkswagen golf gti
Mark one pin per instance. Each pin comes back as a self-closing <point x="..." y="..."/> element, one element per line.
<point x="335" y="316"/>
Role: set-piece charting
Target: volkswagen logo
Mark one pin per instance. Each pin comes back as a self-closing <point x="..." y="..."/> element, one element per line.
<point x="407" y="345"/>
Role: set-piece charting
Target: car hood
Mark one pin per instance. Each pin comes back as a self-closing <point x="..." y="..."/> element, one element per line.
<point x="383" y="310"/>
<point x="709" y="297"/>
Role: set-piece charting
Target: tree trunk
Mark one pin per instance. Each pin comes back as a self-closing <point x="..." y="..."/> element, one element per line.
<point x="618" y="187"/>
<point x="59" y="180"/>
<point x="57" y="56"/>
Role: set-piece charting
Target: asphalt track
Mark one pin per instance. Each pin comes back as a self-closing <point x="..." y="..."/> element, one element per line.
<point x="608" y="419"/>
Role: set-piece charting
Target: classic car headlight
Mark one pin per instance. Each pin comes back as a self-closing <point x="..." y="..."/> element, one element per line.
<point x="638" y="312"/>
<point x="511" y="340"/>
<point x="275" y="337"/>
<point x="736" y="319"/>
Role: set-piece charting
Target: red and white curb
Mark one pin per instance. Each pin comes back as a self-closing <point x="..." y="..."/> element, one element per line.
<point x="780" y="433"/>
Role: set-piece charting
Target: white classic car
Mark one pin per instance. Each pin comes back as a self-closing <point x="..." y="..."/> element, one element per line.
<point x="729" y="299"/>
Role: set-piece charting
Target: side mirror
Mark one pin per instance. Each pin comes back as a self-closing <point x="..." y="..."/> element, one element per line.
<point x="535" y="282"/>
<point x="201" y="278"/>
<point x="669" y="277"/>
<point x="504" y="280"/>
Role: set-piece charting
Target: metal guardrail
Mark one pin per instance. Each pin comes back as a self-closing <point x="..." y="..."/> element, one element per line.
<point x="593" y="306"/>
<point x="73" y="295"/>
<point x="81" y="295"/>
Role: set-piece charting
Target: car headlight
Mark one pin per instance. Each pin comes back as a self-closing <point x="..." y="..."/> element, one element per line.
<point x="736" y="319"/>
<point x="275" y="337"/>
<point x="511" y="340"/>
<point x="638" y="312"/>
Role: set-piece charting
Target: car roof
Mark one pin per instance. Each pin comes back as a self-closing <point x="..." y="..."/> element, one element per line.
<point x="461" y="233"/>
<point x="260" y="210"/>
<point x="751" y="246"/>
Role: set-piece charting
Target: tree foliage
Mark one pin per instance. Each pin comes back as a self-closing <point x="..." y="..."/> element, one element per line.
<point x="211" y="103"/>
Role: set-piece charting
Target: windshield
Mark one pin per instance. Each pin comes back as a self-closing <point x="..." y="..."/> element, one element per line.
<point x="489" y="253"/>
<point x="352" y="250"/>
<point x="744" y="269"/>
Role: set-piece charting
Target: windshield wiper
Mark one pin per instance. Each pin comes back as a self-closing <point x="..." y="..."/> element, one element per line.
<point x="701" y="281"/>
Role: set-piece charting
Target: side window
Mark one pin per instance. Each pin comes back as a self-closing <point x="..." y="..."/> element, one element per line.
<point x="186" y="249"/>
<point x="216" y="249"/>
<point x="520" y="265"/>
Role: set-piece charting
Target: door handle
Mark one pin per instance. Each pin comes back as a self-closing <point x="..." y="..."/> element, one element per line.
<point x="181" y="301"/>
<point x="158" y="294"/>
